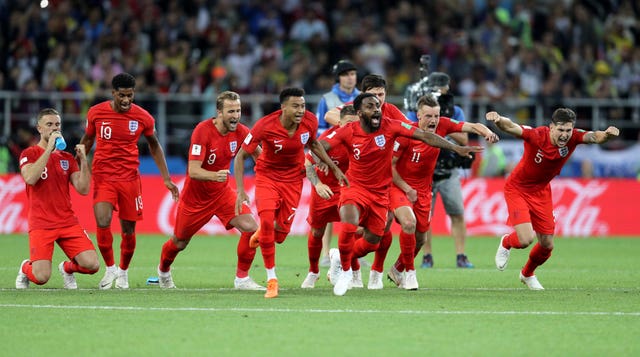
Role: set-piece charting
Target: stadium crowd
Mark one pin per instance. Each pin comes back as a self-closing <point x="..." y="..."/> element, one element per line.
<point x="491" y="48"/>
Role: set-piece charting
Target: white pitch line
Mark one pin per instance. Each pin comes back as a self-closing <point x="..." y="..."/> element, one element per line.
<point x="338" y="311"/>
<point x="519" y="288"/>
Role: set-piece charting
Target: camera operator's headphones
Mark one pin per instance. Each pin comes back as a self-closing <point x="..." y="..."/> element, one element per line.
<point x="341" y="67"/>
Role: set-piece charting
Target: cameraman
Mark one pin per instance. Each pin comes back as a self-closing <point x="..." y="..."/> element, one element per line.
<point x="446" y="177"/>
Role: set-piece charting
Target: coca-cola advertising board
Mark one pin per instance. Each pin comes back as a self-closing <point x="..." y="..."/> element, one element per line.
<point x="583" y="208"/>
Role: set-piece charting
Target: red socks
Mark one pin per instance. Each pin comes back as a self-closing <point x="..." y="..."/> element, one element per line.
<point x="168" y="255"/>
<point x="511" y="241"/>
<point x="245" y="255"/>
<point x="381" y="251"/>
<point x="314" y="247"/>
<point x="407" y="250"/>
<point x="27" y="269"/>
<point x="279" y="236"/>
<point x="72" y="267"/>
<point x="346" y="244"/>
<point x="127" y="248"/>
<point x="267" y="238"/>
<point x="105" y="244"/>
<point x="537" y="257"/>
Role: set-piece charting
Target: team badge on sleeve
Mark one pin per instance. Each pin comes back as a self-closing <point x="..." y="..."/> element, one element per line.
<point x="304" y="137"/>
<point x="380" y="140"/>
<point x="133" y="125"/>
<point x="64" y="164"/>
<point x="247" y="140"/>
<point x="196" y="149"/>
<point x="233" y="145"/>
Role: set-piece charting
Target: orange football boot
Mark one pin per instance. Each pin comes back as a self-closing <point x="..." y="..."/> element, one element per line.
<point x="272" y="289"/>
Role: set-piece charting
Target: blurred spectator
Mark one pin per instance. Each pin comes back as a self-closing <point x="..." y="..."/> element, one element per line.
<point x="240" y="63"/>
<point x="375" y="54"/>
<point x="494" y="162"/>
<point x="7" y="161"/>
<point x="310" y="25"/>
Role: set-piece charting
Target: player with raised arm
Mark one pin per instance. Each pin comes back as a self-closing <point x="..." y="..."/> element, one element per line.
<point x="528" y="190"/>
<point x="283" y="135"/>
<point x="207" y="193"/>
<point x="115" y="126"/>
<point x="365" y="202"/>
<point x="411" y="193"/>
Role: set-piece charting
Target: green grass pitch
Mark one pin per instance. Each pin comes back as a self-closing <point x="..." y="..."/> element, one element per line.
<point x="591" y="306"/>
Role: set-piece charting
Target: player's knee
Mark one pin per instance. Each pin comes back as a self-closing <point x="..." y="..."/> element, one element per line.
<point x="408" y="226"/>
<point x="42" y="277"/>
<point x="92" y="267"/>
<point x="181" y="244"/>
<point x="457" y="219"/>
<point x="245" y="224"/>
<point x="250" y="226"/>
<point x="526" y="239"/>
<point x="103" y="220"/>
<point x="546" y="241"/>
<point x="317" y="234"/>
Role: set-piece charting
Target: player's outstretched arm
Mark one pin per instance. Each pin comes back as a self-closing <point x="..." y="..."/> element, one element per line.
<point x="505" y="124"/>
<point x="600" y="137"/>
<point x="438" y="141"/>
<point x="481" y="130"/>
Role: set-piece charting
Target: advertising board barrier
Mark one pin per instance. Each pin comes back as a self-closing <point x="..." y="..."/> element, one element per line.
<point x="583" y="208"/>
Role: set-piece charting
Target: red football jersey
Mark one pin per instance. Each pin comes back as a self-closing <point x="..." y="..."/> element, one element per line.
<point x="49" y="199"/>
<point x="541" y="161"/>
<point x="117" y="134"/>
<point x="216" y="152"/>
<point x="338" y="155"/>
<point x="370" y="153"/>
<point x="282" y="157"/>
<point x="417" y="160"/>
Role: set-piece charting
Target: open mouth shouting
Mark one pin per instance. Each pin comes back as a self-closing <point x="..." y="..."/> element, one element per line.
<point x="375" y="120"/>
<point x="233" y="124"/>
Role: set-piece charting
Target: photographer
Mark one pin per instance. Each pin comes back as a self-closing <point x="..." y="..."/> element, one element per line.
<point x="446" y="177"/>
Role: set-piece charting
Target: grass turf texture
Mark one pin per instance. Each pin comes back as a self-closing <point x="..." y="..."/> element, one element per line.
<point x="591" y="306"/>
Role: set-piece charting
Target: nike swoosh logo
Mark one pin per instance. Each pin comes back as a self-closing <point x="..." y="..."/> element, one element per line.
<point x="106" y="122"/>
<point x="277" y="141"/>
<point x="104" y="285"/>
